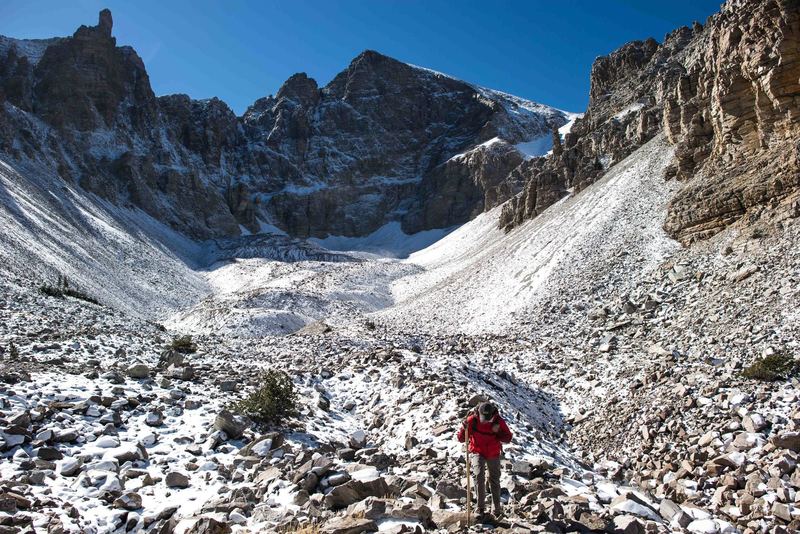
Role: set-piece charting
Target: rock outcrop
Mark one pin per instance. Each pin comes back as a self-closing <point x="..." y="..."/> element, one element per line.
<point x="377" y="144"/>
<point x="725" y="94"/>
<point x="734" y="115"/>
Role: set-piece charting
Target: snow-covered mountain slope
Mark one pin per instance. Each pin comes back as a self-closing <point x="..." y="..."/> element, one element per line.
<point x="479" y="312"/>
<point x="124" y="258"/>
<point x="475" y="279"/>
<point x="481" y="279"/>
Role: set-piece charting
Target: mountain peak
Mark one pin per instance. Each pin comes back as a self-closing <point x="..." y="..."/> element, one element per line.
<point x="371" y="55"/>
<point x="372" y="58"/>
<point x="105" y="22"/>
<point x="300" y="87"/>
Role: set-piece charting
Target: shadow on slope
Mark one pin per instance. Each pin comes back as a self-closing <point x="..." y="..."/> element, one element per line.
<point x="122" y="257"/>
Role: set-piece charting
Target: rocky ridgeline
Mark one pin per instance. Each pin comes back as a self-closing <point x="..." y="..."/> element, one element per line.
<point x="374" y="145"/>
<point x="725" y="93"/>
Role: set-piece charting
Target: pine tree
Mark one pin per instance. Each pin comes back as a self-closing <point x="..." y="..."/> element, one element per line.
<point x="13" y="353"/>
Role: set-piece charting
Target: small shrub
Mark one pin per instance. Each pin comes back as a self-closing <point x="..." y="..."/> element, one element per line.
<point x="62" y="289"/>
<point x="50" y="291"/>
<point x="771" y="368"/>
<point x="183" y="344"/>
<point x="274" y="400"/>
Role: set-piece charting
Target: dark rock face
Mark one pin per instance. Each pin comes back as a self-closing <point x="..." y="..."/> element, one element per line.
<point x="375" y="145"/>
<point x="725" y="95"/>
<point x="462" y="187"/>
<point x="82" y="82"/>
<point x="379" y="140"/>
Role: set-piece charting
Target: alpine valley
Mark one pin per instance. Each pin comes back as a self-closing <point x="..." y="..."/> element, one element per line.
<point x="623" y="283"/>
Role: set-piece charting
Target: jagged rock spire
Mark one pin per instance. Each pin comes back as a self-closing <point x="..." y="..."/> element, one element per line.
<point x="105" y="22"/>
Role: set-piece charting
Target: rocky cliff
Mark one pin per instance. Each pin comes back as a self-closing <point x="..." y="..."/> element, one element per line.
<point x="726" y="94"/>
<point x="383" y="141"/>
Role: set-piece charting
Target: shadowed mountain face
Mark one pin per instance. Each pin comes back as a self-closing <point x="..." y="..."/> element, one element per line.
<point x="376" y="144"/>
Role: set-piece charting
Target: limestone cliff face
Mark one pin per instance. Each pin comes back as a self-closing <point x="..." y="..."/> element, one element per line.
<point x="377" y="144"/>
<point x="734" y="115"/>
<point x="726" y="95"/>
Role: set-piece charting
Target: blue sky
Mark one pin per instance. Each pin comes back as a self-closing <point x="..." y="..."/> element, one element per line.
<point x="240" y="51"/>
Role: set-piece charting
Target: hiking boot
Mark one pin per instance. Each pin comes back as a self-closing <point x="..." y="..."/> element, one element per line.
<point x="484" y="517"/>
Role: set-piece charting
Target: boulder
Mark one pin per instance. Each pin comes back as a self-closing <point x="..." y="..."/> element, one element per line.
<point x="787" y="440"/>
<point x="628" y="524"/>
<point x="668" y="509"/>
<point x="49" y="454"/>
<point x="176" y="479"/>
<point x="138" y="371"/>
<point x="129" y="501"/>
<point x="754" y="422"/>
<point x="354" y="491"/>
<point x="451" y="490"/>
<point x="349" y="525"/>
<point x="358" y="439"/>
<point x="370" y="508"/>
<point x="209" y="525"/>
<point x="70" y="466"/>
<point x="154" y="418"/>
<point x="631" y="504"/>
<point x="229" y="423"/>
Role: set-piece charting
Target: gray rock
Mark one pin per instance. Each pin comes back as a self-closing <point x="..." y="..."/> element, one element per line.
<point x="346" y="454"/>
<point x="49" y="453"/>
<point x="229" y="423"/>
<point x="451" y="490"/>
<point x="354" y="491"/>
<point x="129" y="501"/>
<point x="370" y="508"/>
<point x="787" y="440"/>
<point x="154" y="418"/>
<point x="358" y="439"/>
<point x="349" y="525"/>
<point x="138" y="371"/>
<point x="754" y="423"/>
<point x="209" y="525"/>
<point x="668" y="509"/>
<point x="70" y="466"/>
<point x="176" y="479"/>
<point x="628" y="524"/>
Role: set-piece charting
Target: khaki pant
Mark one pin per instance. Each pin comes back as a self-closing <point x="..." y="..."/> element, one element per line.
<point x="479" y="465"/>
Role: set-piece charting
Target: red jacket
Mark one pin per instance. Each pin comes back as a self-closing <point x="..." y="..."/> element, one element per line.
<point x="482" y="440"/>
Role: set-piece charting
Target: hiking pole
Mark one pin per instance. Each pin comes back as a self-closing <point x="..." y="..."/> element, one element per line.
<point x="469" y="475"/>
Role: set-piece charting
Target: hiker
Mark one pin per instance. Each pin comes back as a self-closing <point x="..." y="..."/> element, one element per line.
<point x="487" y="433"/>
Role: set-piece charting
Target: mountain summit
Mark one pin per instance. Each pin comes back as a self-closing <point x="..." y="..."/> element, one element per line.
<point x="377" y="144"/>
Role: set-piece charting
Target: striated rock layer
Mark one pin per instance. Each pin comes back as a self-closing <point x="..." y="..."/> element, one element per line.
<point x="727" y="95"/>
<point x="381" y="142"/>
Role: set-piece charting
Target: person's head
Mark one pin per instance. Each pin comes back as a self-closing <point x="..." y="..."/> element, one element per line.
<point x="486" y="411"/>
